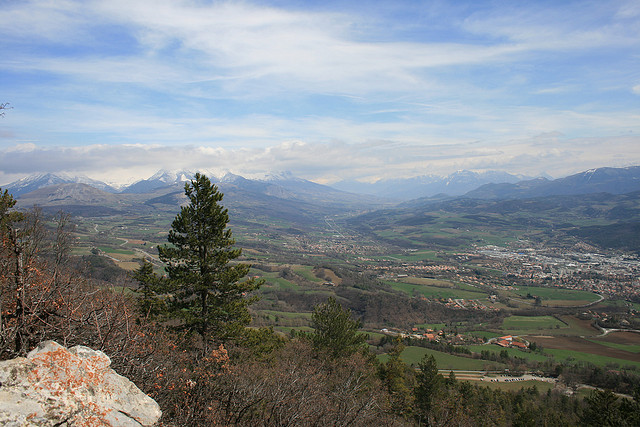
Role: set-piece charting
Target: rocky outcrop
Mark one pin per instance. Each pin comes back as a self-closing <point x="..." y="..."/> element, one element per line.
<point x="55" y="386"/>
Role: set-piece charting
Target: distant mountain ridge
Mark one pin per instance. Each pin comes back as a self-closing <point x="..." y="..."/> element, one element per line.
<point x="485" y="185"/>
<point x="600" y="180"/>
<point x="455" y="184"/>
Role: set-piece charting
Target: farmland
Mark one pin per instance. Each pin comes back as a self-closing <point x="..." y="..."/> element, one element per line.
<point x="517" y="325"/>
<point x="412" y="356"/>
<point x="431" y="288"/>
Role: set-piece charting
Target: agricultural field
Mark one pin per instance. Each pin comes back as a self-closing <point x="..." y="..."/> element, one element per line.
<point x="565" y="325"/>
<point x="626" y="341"/>
<point x="574" y="348"/>
<point x="433" y="288"/>
<point x="306" y="271"/>
<point x="282" y="321"/>
<point x="413" y="256"/>
<point x="413" y="355"/>
<point x="556" y="297"/>
<point x="579" y="327"/>
<point x="517" y="325"/>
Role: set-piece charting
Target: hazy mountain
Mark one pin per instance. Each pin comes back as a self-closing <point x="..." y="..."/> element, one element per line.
<point x="456" y="184"/>
<point x="601" y="180"/>
<point x="34" y="182"/>
<point x="282" y="199"/>
<point x="292" y="187"/>
<point x="75" y="198"/>
<point x="162" y="178"/>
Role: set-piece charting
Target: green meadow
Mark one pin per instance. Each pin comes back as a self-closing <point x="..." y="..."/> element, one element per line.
<point x="430" y="291"/>
<point x="413" y="355"/>
<point x="528" y="324"/>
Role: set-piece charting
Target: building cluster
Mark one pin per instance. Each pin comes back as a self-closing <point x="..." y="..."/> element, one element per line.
<point x="431" y="335"/>
<point x="509" y="341"/>
<point x="611" y="275"/>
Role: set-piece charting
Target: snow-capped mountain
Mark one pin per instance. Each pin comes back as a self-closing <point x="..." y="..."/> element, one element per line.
<point x="37" y="181"/>
<point x="162" y="178"/>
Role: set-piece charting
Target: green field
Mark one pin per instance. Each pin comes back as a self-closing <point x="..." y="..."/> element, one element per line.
<point x="413" y="355"/>
<point x="596" y="359"/>
<point x="556" y="296"/>
<point x="578" y="327"/>
<point x="109" y="250"/>
<point x="528" y="324"/>
<point x="632" y="348"/>
<point x="272" y="279"/>
<point x="620" y="303"/>
<point x="416" y="256"/>
<point x="306" y="271"/>
<point x="429" y="291"/>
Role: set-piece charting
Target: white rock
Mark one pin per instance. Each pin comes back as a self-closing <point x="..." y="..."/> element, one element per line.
<point x="74" y="387"/>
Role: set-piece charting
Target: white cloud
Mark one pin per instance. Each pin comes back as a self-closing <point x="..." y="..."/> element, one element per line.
<point x="327" y="162"/>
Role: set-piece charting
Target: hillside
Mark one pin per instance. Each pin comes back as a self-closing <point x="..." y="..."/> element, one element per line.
<point x="601" y="218"/>
<point x="601" y="180"/>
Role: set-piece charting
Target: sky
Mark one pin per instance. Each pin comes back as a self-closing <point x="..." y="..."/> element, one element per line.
<point x="329" y="91"/>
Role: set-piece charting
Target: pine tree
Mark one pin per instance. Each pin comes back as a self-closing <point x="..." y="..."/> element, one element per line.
<point x="335" y="332"/>
<point x="150" y="287"/>
<point x="429" y="382"/>
<point x="205" y="291"/>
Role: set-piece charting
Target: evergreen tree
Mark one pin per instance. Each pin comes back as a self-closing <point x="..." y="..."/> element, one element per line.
<point x="150" y="302"/>
<point x="7" y="216"/>
<point x="429" y="382"/>
<point x="205" y="292"/>
<point x="398" y="380"/>
<point x="335" y="331"/>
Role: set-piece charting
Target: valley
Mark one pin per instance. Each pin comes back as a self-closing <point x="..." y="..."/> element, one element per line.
<point x="447" y="276"/>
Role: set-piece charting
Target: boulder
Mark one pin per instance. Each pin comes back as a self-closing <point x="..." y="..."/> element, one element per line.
<point x="54" y="386"/>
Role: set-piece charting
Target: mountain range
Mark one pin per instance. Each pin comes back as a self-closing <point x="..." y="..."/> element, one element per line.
<point x="58" y="190"/>
<point x="455" y="184"/>
<point x="601" y="180"/>
<point x="608" y="199"/>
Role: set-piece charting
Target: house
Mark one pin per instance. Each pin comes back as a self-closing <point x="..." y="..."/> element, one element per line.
<point x="518" y="344"/>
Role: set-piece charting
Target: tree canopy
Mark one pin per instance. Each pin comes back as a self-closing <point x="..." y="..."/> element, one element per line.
<point x="204" y="287"/>
<point x="335" y="331"/>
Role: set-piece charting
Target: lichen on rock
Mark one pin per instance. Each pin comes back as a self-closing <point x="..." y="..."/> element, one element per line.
<point x="54" y="385"/>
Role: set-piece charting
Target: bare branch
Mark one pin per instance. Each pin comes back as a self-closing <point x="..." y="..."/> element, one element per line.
<point x="3" y="107"/>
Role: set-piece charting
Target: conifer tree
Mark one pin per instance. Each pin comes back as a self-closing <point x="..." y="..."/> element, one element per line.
<point x="205" y="289"/>
<point x="335" y="331"/>
<point x="429" y="382"/>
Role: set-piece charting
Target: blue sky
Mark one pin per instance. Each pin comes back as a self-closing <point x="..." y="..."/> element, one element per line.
<point x="116" y="90"/>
